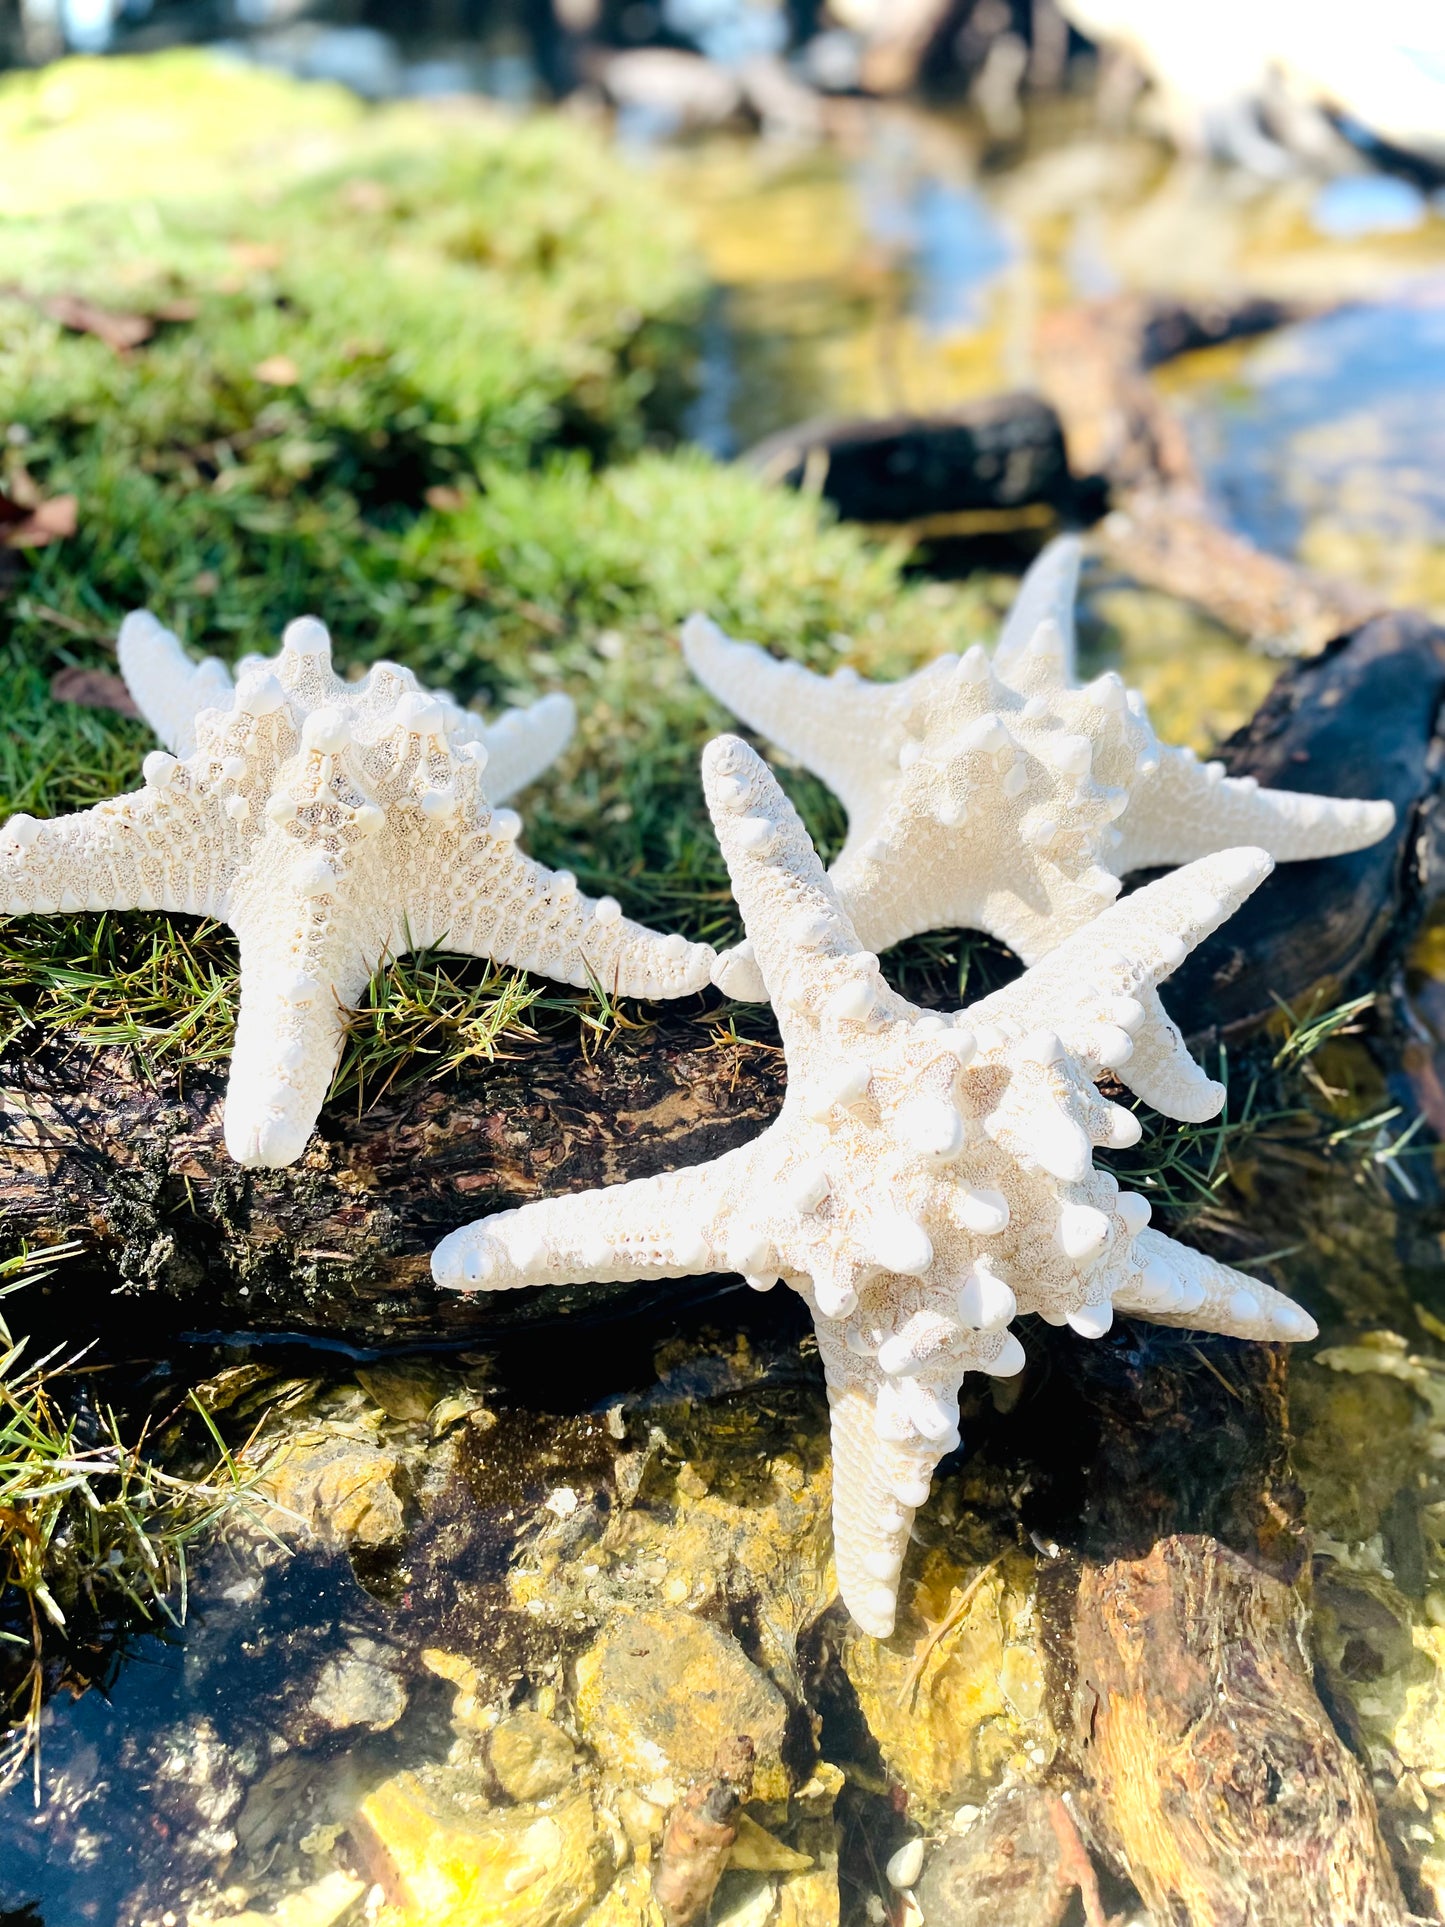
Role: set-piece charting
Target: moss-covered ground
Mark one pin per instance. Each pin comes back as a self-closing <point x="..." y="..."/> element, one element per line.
<point x="422" y="381"/>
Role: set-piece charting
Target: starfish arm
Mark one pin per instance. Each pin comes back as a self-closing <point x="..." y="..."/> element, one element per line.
<point x="1220" y="1299"/>
<point x="1185" y="809"/>
<point x="871" y="1524"/>
<point x="837" y="726"/>
<point x="1161" y="1070"/>
<point x="521" y="743"/>
<point x="1098" y="990"/>
<point x="804" y="945"/>
<point x="169" y="690"/>
<point x="671" y="1226"/>
<point x="480" y="896"/>
<point x="151" y="850"/>
<point x="312" y="927"/>
<point x="1037" y="642"/>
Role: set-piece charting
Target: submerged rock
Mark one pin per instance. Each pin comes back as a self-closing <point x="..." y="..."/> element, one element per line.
<point x="956" y="1698"/>
<point x="360" y="1687"/>
<point x="661" y="1691"/>
<point x="531" y="1756"/>
<point x="321" y="1904"/>
<point x="1369" y="1448"/>
<point x="340" y="1486"/>
<point x="445" y="1864"/>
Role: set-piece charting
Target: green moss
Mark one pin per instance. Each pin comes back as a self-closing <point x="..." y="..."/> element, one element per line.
<point x="446" y="290"/>
<point x="563" y="577"/>
<point x="478" y="314"/>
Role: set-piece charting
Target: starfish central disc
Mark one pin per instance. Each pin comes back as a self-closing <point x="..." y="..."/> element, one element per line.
<point x="330" y="824"/>
<point x="927" y="1179"/>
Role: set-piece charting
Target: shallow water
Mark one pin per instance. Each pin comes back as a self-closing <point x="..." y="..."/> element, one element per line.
<point x="485" y="1522"/>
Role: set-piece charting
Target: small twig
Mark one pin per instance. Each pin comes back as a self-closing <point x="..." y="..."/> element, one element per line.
<point x="945" y="1626"/>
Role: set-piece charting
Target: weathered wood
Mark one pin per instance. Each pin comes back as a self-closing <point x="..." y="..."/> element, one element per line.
<point x="1232" y="1799"/>
<point x="1205" y="1770"/>
<point x="1092" y="364"/>
<point x="339" y="1244"/>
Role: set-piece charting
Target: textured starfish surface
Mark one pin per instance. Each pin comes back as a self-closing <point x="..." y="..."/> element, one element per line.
<point x="998" y="796"/>
<point x="331" y="824"/>
<point x="927" y="1179"/>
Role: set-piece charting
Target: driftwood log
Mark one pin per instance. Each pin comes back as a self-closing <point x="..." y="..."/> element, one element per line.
<point x="989" y="458"/>
<point x="1200" y="1770"/>
<point x="1097" y="444"/>
<point x="338" y="1245"/>
<point x="1092" y="364"/>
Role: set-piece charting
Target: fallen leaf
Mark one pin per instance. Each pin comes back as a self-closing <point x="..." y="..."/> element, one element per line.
<point x="113" y="326"/>
<point x="256" y="254"/>
<point x="277" y="371"/>
<point x="205" y="583"/>
<point x="445" y="500"/>
<point x="50" y="522"/>
<point x="92" y="689"/>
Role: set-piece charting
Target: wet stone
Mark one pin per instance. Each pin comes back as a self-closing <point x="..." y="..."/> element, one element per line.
<point x="661" y="1691"/>
<point x="531" y="1756"/>
<point x="321" y="1904"/>
<point x="361" y="1687"/>
<point x="956" y="1698"/>
<point x="444" y="1863"/>
<point x="343" y="1488"/>
<point x="404" y="1389"/>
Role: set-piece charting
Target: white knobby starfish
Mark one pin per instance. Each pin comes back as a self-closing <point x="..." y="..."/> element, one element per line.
<point x="998" y="796"/>
<point x="926" y="1179"/>
<point x="331" y="824"/>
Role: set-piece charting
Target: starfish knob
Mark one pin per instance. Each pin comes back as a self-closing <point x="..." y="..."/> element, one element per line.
<point x="330" y="824"/>
<point x="928" y="1178"/>
<point x="998" y="796"/>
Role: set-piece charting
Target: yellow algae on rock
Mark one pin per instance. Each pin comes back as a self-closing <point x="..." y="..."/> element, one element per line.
<point x="1369" y="1438"/>
<point x="469" y="1711"/>
<point x="531" y="1756"/>
<point x="762" y="1852"/>
<point x="628" y="1902"/>
<point x="660" y="1692"/>
<point x="956" y="1696"/>
<point x="453" y="1867"/>
<point x="341" y="1483"/>
<point x="808" y="1900"/>
<point x="753" y="1524"/>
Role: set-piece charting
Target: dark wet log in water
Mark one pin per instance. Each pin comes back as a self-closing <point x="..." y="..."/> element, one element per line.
<point x="339" y="1244"/>
<point x="1360" y="720"/>
<point x="1097" y="435"/>
<point x="1001" y="454"/>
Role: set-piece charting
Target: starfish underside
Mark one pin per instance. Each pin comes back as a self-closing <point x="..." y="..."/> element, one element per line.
<point x="928" y="1177"/>
<point x="331" y="825"/>
<point x="998" y="796"/>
